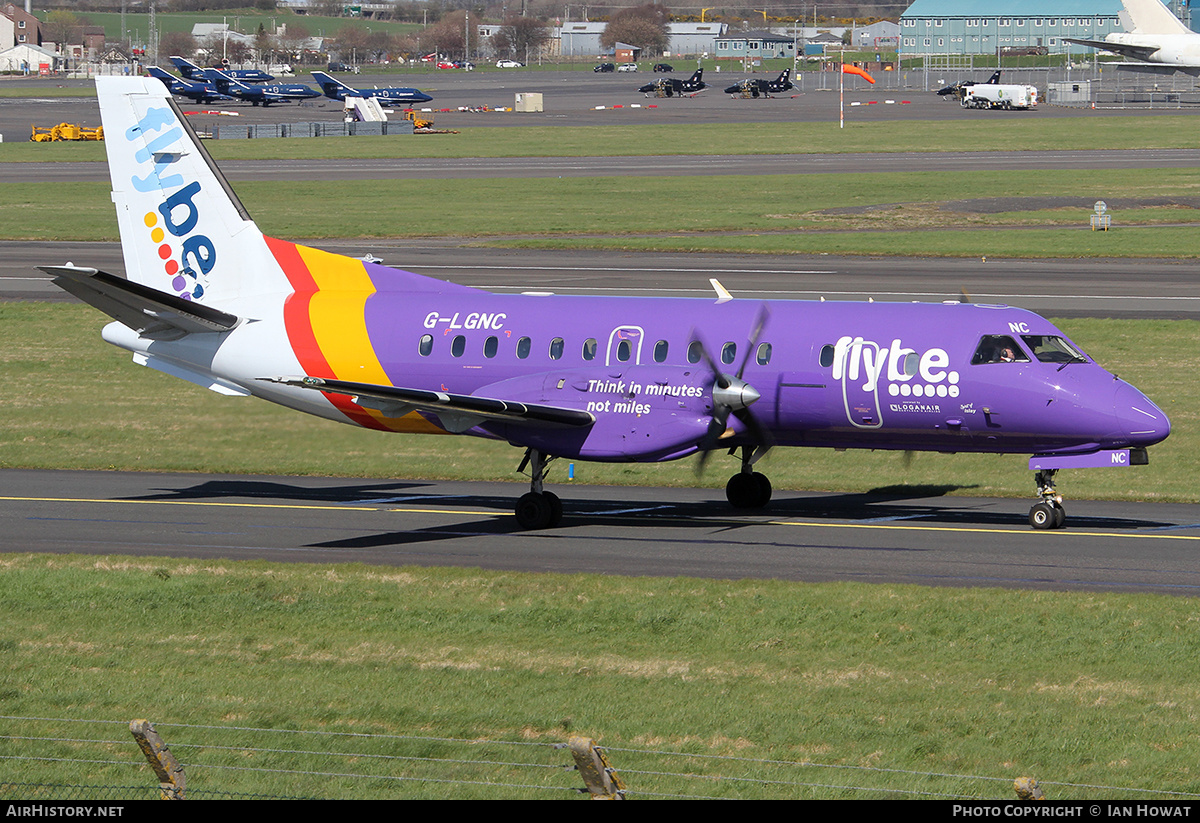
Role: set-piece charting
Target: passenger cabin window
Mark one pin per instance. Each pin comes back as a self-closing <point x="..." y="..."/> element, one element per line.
<point x="556" y="348"/>
<point x="660" y="351"/>
<point x="426" y="345"/>
<point x="589" y="349"/>
<point x="1052" y="349"/>
<point x="624" y="351"/>
<point x="458" y="345"/>
<point x="827" y="352"/>
<point x="998" y="348"/>
<point x="729" y="353"/>
<point x="491" y="346"/>
<point x="523" y="347"/>
<point x="694" y="352"/>
<point x="764" y="354"/>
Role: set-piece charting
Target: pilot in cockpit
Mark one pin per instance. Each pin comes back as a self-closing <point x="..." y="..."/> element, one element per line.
<point x="998" y="348"/>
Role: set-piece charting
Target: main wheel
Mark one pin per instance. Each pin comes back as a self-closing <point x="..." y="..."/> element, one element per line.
<point x="534" y="511"/>
<point x="556" y="509"/>
<point x="748" y="491"/>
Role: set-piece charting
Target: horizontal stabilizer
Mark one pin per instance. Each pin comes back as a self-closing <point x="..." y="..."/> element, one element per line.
<point x="459" y="411"/>
<point x="1137" y="52"/>
<point x="151" y="313"/>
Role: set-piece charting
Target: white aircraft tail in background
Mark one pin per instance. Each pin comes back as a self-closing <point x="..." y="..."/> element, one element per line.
<point x="1155" y="39"/>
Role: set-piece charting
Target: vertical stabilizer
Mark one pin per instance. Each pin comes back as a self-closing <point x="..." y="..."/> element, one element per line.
<point x="183" y="230"/>
<point x="1151" y="17"/>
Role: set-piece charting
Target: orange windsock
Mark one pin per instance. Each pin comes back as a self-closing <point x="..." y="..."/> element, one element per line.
<point x="856" y="70"/>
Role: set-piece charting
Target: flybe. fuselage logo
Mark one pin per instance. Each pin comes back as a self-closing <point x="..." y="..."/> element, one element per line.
<point x="906" y="371"/>
<point x="187" y="256"/>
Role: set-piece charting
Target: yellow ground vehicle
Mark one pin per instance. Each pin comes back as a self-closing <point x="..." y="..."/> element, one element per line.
<point x="65" y="131"/>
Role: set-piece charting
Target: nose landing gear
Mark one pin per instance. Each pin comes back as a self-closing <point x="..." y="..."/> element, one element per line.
<point x="1048" y="514"/>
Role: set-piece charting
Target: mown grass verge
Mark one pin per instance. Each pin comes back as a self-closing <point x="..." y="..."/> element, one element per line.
<point x="73" y="401"/>
<point x="1082" y="690"/>
<point x="890" y="213"/>
<point x="1106" y="131"/>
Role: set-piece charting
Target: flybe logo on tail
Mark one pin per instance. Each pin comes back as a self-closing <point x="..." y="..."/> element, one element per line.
<point x="187" y="257"/>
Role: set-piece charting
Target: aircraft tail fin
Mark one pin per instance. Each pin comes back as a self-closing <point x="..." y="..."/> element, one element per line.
<point x="187" y="68"/>
<point x="994" y="80"/>
<point x="1150" y="17"/>
<point x="698" y="76"/>
<point x="183" y="230"/>
<point x="330" y="86"/>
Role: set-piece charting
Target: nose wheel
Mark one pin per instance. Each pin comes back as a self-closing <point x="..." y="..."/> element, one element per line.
<point x="1049" y="513"/>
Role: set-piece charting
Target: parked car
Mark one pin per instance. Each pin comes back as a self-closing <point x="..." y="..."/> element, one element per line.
<point x="627" y="67"/>
<point x="446" y="64"/>
<point x="465" y="65"/>
<point x="663" y="67"/>
<point x="509" y="64"/>
<point x="604" y="67"/>
<point x="340" y="67"/>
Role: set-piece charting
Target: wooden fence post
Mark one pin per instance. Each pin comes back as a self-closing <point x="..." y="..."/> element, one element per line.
<point x="171" y="780"/>
<point x="600" y="778"/>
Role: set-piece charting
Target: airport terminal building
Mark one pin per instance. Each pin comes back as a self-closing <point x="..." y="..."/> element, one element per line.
<point x="1009" y="26"/>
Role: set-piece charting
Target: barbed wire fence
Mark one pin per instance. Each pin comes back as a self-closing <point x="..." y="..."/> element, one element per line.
<point x="82" y="759"/>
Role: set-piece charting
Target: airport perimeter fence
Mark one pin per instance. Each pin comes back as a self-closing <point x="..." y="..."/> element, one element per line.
<point x="68" y="759"/>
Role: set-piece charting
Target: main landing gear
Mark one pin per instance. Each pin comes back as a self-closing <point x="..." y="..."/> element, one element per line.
<point x="748" y="489"/>
<point x="1048" y="514"/>
<point x="538" y="509"/>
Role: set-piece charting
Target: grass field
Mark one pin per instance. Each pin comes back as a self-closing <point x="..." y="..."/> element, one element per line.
<point x="916" y="692"/>
<point x="1112" y="132"/>
<point x="894" y="213"/>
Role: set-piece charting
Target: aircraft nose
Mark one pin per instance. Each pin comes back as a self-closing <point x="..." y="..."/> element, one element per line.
<point x="1140" y="420"/>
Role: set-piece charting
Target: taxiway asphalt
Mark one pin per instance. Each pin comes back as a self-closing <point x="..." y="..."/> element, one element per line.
<point x="1056" y="288"/>
<point x="936" y="541"/>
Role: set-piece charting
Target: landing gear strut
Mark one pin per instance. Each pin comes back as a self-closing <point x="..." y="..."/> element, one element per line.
<point x="748" y="489"/>
<point x="538" y="509"/>
<point x="1048" y="514"/>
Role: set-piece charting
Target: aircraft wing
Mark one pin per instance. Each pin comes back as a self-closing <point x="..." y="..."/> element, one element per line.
<point x="458" y="412"/>
<point x="1136" y="52"/>
<point x="151" y="313"/>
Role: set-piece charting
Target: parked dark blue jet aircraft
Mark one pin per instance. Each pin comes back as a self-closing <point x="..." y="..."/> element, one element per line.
<point x="191" y="71"/>
<point x="256" y="94"/>
<point x="671" y="87"/>
<point x="755" y="87"/>
<point x="337" y="90"/>
<point x="196" y="90"/>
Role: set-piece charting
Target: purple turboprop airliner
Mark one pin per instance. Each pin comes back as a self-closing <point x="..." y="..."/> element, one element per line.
<point x="210" y="299"/>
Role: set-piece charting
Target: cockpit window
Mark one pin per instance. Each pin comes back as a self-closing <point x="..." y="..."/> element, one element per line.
<point x="1050" y="348"/>
<point x="998" y="348"/>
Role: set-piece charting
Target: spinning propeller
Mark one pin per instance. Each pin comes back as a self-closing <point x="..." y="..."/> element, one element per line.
<point x="733" y="395"/>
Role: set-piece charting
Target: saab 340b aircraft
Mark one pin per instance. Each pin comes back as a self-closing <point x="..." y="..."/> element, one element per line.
<point x="209" y="299"/>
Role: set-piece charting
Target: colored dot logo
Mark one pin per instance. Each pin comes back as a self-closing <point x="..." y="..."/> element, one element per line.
<point x="166" y="253"/>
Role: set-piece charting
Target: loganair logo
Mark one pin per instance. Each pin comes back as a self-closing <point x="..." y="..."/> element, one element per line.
<point x="864" y="365"/>
<point x="187" y="257"/>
